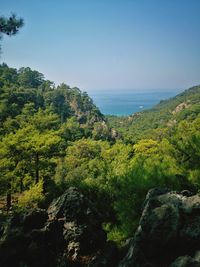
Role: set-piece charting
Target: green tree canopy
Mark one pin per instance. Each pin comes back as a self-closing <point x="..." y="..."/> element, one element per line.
<point x="10" y="26"/>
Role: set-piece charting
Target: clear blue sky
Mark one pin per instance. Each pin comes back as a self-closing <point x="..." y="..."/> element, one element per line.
<point x="100" y="44"/>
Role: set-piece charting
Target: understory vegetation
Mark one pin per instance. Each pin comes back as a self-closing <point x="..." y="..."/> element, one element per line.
<point x="53" y="137"/>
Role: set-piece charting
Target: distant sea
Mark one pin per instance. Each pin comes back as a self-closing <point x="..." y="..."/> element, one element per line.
<point x="127" y="101"/>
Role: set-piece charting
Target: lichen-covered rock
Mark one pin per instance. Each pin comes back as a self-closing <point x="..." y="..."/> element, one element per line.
<point x="74" y="206"/>
<point x="169" y="228"/>
<point x="68" y="234"/>
<point x="82" y="229"/>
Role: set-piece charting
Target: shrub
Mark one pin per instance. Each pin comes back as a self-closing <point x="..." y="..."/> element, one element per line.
<point x="32" y="197"/>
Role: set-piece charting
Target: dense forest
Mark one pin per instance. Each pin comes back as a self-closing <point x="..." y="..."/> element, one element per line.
<point x="53" y="137"/>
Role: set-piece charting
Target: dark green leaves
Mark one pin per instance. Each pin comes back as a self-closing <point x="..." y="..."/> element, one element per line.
<point x="11" y="25"/>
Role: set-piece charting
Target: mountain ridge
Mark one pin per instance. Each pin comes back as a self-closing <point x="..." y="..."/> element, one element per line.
<point x="139" y="124"/>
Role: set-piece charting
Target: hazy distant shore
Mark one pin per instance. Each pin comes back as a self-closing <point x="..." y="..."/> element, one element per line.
<point x="126" y="101"/>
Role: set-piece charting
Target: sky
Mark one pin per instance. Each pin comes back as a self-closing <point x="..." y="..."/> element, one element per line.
<point x="107" y="44"/>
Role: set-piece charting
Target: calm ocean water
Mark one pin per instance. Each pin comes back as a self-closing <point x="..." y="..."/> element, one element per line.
<point x="126" y="102"/>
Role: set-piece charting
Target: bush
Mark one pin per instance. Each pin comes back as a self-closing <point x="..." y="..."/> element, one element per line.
<point x="32" y="197"/>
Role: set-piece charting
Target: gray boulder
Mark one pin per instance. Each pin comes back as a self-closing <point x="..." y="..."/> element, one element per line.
<point x="82" y="230"/>
<point x="169" y="228"/>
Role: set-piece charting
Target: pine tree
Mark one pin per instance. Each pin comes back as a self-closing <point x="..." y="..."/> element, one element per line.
<point x="10" y="26"/>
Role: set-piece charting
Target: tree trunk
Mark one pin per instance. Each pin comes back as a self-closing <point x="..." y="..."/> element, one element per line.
<point x="36" y="168"/>
<point x="8" y="198"/>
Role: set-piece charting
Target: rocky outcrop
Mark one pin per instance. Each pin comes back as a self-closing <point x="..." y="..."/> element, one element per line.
<point x="82" y="231"/>
<point x="68" y="234"/>
<point x="180" y="107"/>
<point x="168" y="234"/>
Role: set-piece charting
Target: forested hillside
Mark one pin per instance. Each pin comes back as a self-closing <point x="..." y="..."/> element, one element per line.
<point x="53" y="137"/>
<point x="167" y="113"/>
<point x="37" y="122"/>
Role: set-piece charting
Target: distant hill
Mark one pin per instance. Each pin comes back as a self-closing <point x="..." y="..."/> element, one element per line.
<point x="185" y="105"/>
<point x="19" y="88"/>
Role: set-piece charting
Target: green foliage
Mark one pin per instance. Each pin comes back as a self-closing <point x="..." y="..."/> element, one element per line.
<point x="19" y="88"/>
<point x="72" y="130"/>
<point x="11" y="25"/>
<point x="93" y="163"/>
<point x="28" y="78"/>
<point x="101" y="131"/>
<point x="164" y="115"/>
<point x="37" y="123"/>
<point x="31" y="150"/>
<point x="115" y="233"/>
<point x="153" y="165"/>
<point x="186" y="140"/>
<point x="32" y="196"/>
<point x="54" y="137"/>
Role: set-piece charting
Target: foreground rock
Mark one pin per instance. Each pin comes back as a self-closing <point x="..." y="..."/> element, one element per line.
<point x="168" y="234"/>
<point x="68" y="234"/>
